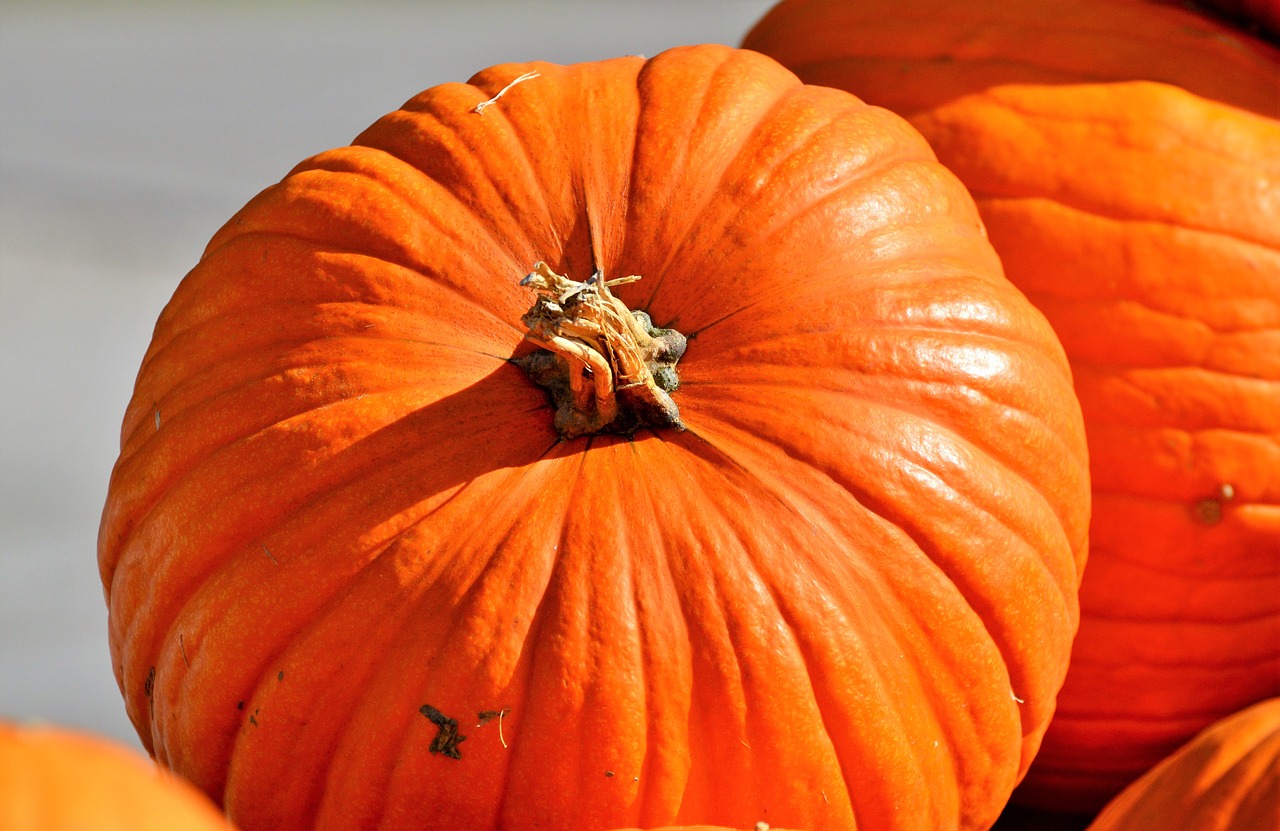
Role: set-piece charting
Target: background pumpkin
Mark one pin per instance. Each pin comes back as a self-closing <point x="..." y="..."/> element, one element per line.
<point x="342" y="534"/>
<point x="1225" y="779"/>
<point x="1143" y="220"/>
<point x="55" y="779"/>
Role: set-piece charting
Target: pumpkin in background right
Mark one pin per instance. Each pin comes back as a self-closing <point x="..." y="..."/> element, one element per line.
<point x="1225" y="779"/>
<point x="1125" y="157"/>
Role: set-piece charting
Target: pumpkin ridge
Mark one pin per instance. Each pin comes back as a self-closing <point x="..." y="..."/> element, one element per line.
<point x="183" y="477"/>
<point x="980" y="607"/>
<point x="122" y="530"/>
<point x="1097" y="211"/>
<point x="721" y="591"/>
<point x="870" y="175"/>
<point x="981" y="443"/>
<point x="426" y="217"/>
<point x="482" y="562"/>
<point x="440" y="191"/>
<point x="723" y="74"/>
<point x="1198" y="622"/>
<point x="334" y="262"/>
<point x="481" y="308"/>
<point x="777" y="487"/>
<point x="835" y="195"/>
<point x="220" y="563"/>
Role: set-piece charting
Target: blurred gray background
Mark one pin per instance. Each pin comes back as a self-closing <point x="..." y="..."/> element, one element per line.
<point x="128" y="133"/>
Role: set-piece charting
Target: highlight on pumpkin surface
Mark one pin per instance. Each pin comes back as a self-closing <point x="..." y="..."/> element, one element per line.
<point x="58" y="779"/>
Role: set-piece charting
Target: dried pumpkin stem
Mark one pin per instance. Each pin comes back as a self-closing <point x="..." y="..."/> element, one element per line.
<point x="607" y="368"/>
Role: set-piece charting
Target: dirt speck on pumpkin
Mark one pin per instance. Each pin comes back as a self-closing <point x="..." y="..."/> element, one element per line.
<point x="1208" y="511"/>
<point x="447" y="738"/>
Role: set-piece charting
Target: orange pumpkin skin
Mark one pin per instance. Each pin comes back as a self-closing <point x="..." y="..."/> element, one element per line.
<point x="57" y="779"/>
<point x="1143" y="221"/>
<point x="341" y="517"/>
<point x="913" y="56"/>
<point x="1225" y="779"/>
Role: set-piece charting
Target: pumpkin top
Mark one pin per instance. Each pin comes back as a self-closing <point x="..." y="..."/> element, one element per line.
<point x="344" y="529"/>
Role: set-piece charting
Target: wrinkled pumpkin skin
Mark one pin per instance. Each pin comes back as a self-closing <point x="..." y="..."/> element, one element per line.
<point x="1225" y="779"/>
<point x="342" y="532"/>
<point x="58" y="779"/>
<point x="1143" y="221"/>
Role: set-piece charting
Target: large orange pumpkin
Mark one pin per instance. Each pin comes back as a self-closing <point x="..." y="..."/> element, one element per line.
<point x="358" y="580"/>
<point x="57" y="779"/>
<point x="1225" y="779"/>
<point x="1144" y="221"/>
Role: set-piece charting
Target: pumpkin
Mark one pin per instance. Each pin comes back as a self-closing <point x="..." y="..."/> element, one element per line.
<point x="629" y="443"/>
<point x="55" y="778"/>
<point x="914" y="56"/>
<point x="1142" y="219"/>
<point x="1225" y="779"/>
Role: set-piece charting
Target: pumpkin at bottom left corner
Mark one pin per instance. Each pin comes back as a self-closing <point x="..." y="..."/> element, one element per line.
<point x="55" y="778"/>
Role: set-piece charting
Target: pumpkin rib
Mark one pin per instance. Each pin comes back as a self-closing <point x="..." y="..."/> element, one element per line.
<point x="650" y="520"/>
<point x="1201" y="130"/>
<point x="928" y="683"/>
<point x="397" y="627"/>
<point x="1098" y="212"/>
<point x="726" y="159"/>
<point x="901" y="520"/>
<point x="1198" y="622"/>
<point x="1120" y="557"/>
<point x="425" y="270"/>
<point x="178" y="350"/>
<point x="369" y="468"/>
<point x="177" y="474"/>
<point x="982" y="448"/>
<point x="823" y="705"/>
<point x="337" y="171"/>
<point x="836" y="196"/>
<point x="210" y="455"/>
<point x="895" y="519"/>
<point x="726" y="592"/>
<point x="538" y="621"/>
<point x="175" y="342"/>
<point x="887" y="587"/>
<point x="326" y="603"/>
<point x="400" y="154"/>
<point x="175" y="416"/>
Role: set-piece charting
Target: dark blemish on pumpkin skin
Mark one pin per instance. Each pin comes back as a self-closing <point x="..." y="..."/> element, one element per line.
<point x="447" y="738"/>
<point x="239" y="705"/>
<point x="150" y="684"/>
<point x="280" y="675"/>
<point x="1208" y="511"/>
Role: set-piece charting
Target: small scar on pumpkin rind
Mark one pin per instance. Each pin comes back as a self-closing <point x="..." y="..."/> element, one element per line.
<point x="1208" y="511"/>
